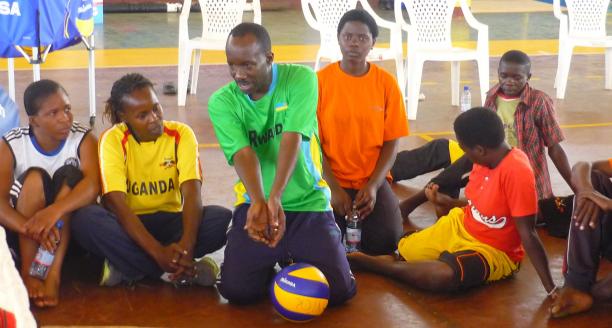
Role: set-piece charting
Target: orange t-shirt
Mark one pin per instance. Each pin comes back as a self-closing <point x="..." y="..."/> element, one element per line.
<point x="356" y="115"/>
<point x="497" y="196"/>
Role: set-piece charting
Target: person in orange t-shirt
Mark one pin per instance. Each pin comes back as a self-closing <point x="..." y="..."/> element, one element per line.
<point x="361" y="117"/>
<point x="480" y="240"/>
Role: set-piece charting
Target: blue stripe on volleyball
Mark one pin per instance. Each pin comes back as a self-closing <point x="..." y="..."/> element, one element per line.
<point x="289" y="315"/>
<point x="302" y="286"/>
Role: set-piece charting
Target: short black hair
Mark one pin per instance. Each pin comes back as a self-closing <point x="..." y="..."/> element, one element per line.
<point x="121" y="88"/>
<point x="362" y="16"/>
<point x="516" y="57"/>
<point x="479" y="126"/>
<point x="260" y="33"/>
<point x="38" y="91"/>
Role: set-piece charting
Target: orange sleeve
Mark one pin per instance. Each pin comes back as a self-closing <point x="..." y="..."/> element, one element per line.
<point x="396" y="125"/>
<point x="610" y="162"/>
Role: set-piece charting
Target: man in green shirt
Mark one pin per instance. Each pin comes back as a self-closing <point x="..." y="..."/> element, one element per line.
<point x="265" y="121"/>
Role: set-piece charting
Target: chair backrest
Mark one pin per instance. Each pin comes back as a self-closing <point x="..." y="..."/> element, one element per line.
<point x="220" y="16"/>
<point x="587" y="17"/>
<point x="431" y="21"/>
<point x="327" y="14"/>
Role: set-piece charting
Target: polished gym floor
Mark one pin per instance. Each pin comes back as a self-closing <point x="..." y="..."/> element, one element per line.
<point x="146" y="43"/>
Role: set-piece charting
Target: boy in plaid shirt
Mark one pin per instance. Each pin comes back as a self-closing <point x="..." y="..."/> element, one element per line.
<point x="529" y="122"/>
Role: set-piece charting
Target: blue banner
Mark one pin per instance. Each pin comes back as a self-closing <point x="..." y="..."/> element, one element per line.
<point x="43" y="23"/>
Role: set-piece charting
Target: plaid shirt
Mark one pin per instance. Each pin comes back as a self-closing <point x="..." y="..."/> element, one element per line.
<point x="536" y="128"/>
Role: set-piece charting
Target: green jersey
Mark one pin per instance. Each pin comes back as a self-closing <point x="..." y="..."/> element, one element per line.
<point x="289" y="106"/>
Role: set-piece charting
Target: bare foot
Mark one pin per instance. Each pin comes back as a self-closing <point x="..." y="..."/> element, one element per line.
<point x="570" y="301"/>
<point x="35" y="289"/>
<point x="51" y="291"/>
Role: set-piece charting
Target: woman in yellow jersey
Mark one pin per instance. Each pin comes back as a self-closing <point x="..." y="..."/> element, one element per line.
<point x="152" y="222"/>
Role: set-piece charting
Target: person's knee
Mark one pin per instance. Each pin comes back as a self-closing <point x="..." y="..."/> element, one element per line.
<point x="439" y="144"/>
<point x="600" y="180"/>
<point x="86" y="219"/>
<point x="239" y="293"/>
<point x="469" y="269"/>
<point x="35" y="188"/>
<point x="65" y="179"/>
<point x="342" y="291"/>
<point x="219" y="213"/>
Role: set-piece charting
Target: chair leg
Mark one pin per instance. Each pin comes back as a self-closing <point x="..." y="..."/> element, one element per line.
<point x="565" y="60"/>
<point x="183" y="74"/>
<point x="400" y="74"/>
<point x="558" y="73"/>
<point x="560" y="57"/>
<point x="455" y="82"/>
<point x="318" y="61"/>
<point x="483" y="77"/>
<point x="415" y="72"/>
<point x="608" y="72"/>
<point x="195" y="72"/>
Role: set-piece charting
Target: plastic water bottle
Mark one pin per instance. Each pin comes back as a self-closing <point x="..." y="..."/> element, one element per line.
<point x="466" y="99"/>
<point x="353" y="232"/>
<point x="44" y="258"/>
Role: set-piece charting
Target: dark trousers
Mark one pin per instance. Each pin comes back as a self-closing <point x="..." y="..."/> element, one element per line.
<point x="99" y="231"/>
<point x="432" y="156"/>
<point x="585" y="247"/>
<point x="381" y="230"/>
<point x="311" y="237"/>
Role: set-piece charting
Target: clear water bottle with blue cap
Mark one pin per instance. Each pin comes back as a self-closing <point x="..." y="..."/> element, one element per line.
<point x="466" y="99"/>
<point x="44" y="258"/>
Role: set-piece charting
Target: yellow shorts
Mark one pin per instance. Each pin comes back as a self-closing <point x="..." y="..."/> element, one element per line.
<point x="448" y="234"/>
<point x="454" y="150"/>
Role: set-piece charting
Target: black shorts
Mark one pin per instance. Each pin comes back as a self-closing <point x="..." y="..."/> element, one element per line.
<point x="68" y="174"/>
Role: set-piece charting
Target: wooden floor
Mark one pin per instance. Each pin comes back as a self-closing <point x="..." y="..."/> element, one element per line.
<point x="586" y="116"/>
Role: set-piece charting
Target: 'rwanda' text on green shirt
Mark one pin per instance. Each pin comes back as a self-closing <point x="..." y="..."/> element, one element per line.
<point x="289" y="106"/>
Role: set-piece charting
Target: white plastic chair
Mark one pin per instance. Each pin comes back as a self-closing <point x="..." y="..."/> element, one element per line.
<point x="429" y="38"/>
<point x="218" y="19"/>
<point x="327" y="14"/>
<point x="585" y="26"/>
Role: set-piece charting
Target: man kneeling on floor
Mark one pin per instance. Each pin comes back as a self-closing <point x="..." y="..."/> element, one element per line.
<point x="483" y="240"/>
